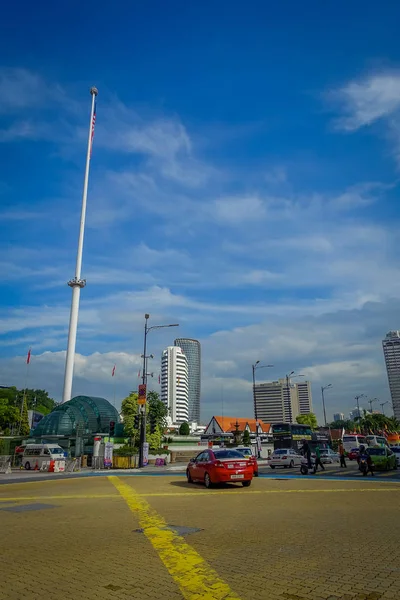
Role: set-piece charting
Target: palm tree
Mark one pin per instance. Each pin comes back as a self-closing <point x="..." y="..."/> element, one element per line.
<point x="393" y="424"/>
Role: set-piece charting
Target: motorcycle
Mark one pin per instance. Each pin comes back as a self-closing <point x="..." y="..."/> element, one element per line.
<point x="363" y="465"/>
<point x="304" y="468"/>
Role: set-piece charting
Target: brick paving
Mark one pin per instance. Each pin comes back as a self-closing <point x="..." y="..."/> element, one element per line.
<point x="277" y="540"/>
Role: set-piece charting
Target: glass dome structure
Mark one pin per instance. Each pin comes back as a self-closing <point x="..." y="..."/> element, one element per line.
<point x="88" y="414"/>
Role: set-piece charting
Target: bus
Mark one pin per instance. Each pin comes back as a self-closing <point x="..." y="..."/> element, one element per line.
<point x="353" y="440"/>
<point x="291" y="435"/>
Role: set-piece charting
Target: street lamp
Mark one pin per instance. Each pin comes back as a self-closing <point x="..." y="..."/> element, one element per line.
<point x="288" y="377"/>
<point x="382" y="405"/>
<point x="371" y="402"/>
<point x="142" y="439"/>
<point x="323" y="388"/>
<point x="357" y="398"/>
<point x="254" y="368"/>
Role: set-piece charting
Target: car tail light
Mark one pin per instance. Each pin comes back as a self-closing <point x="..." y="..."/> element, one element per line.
<point x="284" y="457"/>
<point x="219" y="464"/>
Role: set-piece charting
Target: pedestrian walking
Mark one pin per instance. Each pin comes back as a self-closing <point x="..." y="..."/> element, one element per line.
<point x="342" y="455"/>
<point x="318" y="462"/>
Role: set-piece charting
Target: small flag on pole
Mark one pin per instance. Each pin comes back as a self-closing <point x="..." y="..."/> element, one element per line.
<point x="138" y="375"/>
<point x="93" y="124"/>
<point x="113" y="371"/>
<point x="28" y="358"/>
<point x="159" y="380"/>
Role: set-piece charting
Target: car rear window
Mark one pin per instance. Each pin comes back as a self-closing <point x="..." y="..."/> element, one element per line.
<point x="281" y="451"/>
<point x="227" y="454"/>
<point x="376" y="451"/>
<point x="396" y="450"/>
<point x="245" y="451"/>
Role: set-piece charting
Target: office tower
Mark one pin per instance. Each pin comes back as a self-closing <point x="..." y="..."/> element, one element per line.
<point x="338" y="417"/>
<point x="304" y="397"/>
<point x="174" y="384"/>
<point x="278" y="402"/>
<point x="192" y="351"/>
<point x="391" y="352"/>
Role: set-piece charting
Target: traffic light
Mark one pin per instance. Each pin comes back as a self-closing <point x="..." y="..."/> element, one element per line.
<point x="153" y="423"/>
<point x="112" y="428"/>
<point x="136" y="422"/>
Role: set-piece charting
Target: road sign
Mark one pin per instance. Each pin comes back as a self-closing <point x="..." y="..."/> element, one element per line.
<point x="142" y="394"/>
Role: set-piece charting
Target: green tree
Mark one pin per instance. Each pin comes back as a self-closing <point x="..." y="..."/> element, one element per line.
<point x="37" y="400"/>
<point x="393" y="424"/>
<point x="348" y="425"/>
<point x="184" y="429"/>
<point x="129" y="409"/>
<point x="9" y="409"/>
<point x="308" y="419"/>
<point x="157" y="413"/>
<point x="246" y="437"/>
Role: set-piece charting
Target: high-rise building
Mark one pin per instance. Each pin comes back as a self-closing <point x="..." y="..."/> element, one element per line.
<point x="304" y="396"/>
<point x="338" y="417"/>
<point x="192" y="351"/>
<point x="276" y="402"/>
<point x="175" y="384"/>
<point x="391" y="352"/>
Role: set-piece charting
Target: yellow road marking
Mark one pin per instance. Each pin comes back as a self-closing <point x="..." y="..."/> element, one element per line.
<point x="196" y="579"/>
<point x="198" y="493"/>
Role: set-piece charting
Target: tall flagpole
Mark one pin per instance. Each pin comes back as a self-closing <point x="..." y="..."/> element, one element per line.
<point x="77" y="283"/>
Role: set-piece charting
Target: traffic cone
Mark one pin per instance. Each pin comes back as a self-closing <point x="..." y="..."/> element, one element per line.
<point x="51" y="467"/>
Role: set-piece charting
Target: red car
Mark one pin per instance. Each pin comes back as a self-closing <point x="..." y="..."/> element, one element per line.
<point x="220" y="466"/>
<point x="247" y="453"/>
<point x="353" y="454"/>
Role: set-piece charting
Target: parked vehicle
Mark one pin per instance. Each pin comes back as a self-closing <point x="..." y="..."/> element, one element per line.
<point x="353" y="454"/>
<point x="382" y="457"/>
<point x="376" y="440"/>
<point x="396" y="452"/>
<point x="354" y="441"/>
<point x="304" y="468"/>
<point x="328" y="456"/>
<point x="247" y="453"/>
<point x="284" y="457"/>
<point x="220" y="466"/>
<point x="35" y="454"/>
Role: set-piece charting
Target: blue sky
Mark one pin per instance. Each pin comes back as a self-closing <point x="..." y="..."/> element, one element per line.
<point x="244" y="183"/>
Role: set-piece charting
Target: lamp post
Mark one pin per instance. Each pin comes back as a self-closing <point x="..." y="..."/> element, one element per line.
<point x="382" y="405"/>
<point x="288" y="376"/>
<point x="371" y="401"/>
<point x="323" y="388"/>
<point x="142" y="438"/>
<point x="254" y="368"/>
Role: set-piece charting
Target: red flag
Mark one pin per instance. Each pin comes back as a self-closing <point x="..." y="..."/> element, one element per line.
<point x="138" y="374"/>
<point x="28" y="358"/>
<point x="113" y="371"/>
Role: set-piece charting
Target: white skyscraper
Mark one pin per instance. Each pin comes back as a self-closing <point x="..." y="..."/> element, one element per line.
<point x="175" y="384"/>
<point x="391" y="352"/>
<point x="276" y="402"/>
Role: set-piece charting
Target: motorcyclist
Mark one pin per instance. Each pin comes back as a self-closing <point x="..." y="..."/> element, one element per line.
<point x="363" y="455"/>
<point x="307" y="453"/>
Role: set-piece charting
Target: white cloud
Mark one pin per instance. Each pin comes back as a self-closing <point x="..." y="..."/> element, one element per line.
<point x="368" y="99"/>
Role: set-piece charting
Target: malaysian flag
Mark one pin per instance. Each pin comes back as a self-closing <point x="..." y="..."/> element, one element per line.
<point x="113" y="371"/>
<point x="28" y="358"/>
<point x="93" y="124"/>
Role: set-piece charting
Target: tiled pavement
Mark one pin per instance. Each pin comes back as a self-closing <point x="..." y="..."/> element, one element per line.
<point x="277" y="540"/>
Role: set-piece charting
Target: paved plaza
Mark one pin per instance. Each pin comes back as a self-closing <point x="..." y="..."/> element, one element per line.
<point x="139" y="537"/>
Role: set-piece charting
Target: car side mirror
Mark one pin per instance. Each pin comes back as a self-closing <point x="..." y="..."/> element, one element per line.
<point x="192" y="460"/>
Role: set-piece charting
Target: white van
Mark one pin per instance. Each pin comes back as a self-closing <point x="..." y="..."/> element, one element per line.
<point x="376" y="440"/>
<point x="355" y="440"/>
<point x="36" y="454"/>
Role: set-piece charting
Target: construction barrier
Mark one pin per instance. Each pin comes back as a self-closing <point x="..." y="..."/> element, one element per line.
<point x="72" y="465"/>
<point x="5" y="464"/>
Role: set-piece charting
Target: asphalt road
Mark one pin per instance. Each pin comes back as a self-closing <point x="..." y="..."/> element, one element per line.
<point x="160" y="538"/>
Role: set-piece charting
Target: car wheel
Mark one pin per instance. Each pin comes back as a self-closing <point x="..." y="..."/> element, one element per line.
<point x="189" y="477"/>
<point x="272" y="466"/>
<point x="255" y="473"/>
<point x="291" y="464"/>
<point x="246" y="483"/>
<point x="207" y="481"/>
<point x="285" y="466"/>
<point x="27" y="465"/>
